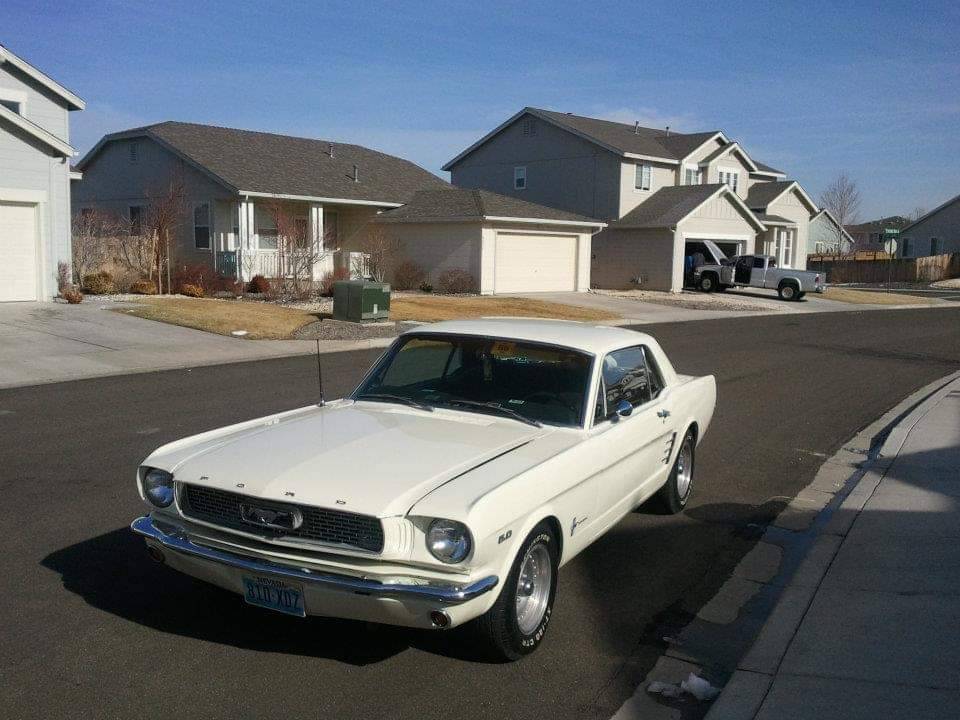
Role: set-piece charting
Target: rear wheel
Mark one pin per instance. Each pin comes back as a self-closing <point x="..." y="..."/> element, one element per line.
<point x="788" y="291"/>
<point x="675" y="494"/>
<point x="518" y="620"/>
<point x="708" y="282"/>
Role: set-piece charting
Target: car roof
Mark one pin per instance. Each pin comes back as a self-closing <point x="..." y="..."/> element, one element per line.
<point x="596" y="339"/>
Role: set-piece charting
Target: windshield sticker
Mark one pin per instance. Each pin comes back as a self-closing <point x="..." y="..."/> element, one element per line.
<point x="503" y="349"/>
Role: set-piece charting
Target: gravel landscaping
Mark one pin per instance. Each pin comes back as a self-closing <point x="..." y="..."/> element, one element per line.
<point x="694" y="300"/>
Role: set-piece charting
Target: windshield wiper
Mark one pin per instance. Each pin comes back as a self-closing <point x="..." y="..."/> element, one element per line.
<point x="496" y="408"/>
<point x="395" y="398"/>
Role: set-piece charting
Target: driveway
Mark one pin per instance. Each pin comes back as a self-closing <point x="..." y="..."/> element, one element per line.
<point x="51" y="342"/>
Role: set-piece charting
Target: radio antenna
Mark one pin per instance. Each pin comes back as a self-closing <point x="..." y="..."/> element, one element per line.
<point x="319" y="373"/>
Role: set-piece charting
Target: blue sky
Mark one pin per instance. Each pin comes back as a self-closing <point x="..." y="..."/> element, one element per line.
<point x="812" y="88"/>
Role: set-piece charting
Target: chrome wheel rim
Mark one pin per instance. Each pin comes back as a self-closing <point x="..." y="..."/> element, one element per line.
<point x="788" y="292"/>
<point x="533" y="588"/>
<point x="684" y="470"/>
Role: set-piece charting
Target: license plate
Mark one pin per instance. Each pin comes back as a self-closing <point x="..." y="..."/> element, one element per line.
<point x="273" y="594"/>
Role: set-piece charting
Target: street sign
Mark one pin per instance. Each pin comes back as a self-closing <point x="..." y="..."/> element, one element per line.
<point x="891" y="231"/>
<point x="890" y="247"/>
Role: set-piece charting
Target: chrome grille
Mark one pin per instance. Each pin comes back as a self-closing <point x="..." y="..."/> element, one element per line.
<point x="221" y="507"/>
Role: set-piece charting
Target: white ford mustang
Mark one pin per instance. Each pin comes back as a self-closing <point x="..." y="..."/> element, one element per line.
<point x="473" y="461"/>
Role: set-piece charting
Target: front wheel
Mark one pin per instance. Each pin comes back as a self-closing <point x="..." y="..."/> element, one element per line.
<point x="518" y="620"/>
<point x="675" y="494"/>
<point x="708" y="282"/>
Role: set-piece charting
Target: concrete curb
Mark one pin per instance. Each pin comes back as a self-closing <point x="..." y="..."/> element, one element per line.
<point x="747" y="688"/>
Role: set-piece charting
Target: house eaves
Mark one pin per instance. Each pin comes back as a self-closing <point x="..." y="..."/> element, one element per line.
<point x="312" y="198"/>
<point x="833" y="220"/>
<point x="790" y="187"/>
<point x="726" y="150"/>
<point x="37" y="132"/>
<point x="725" y="191"/>
<point x="713" y="138"/>
<point x="72" y="100"/>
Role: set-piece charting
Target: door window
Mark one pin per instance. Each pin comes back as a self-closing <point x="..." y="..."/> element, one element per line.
<point x="626" y="375"/>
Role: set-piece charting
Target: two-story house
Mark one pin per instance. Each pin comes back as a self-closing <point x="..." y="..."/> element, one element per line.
<point x="35" y="176"/>
<point x="658" y="191"/>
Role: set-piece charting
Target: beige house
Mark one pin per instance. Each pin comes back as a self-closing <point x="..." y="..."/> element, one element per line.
<point x="936" y="233"/>
<point x="656" y="189"/>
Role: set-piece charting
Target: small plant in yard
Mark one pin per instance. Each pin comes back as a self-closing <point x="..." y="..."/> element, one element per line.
<point x="329" y="278"/>
<point x="259" y="285"/>
<point x="426" y="287"/>
<point x="72" y="295"/>
<point x="455" y="281"/>
<point x="191" y="290"/>
<point x="99" y="283"/>
<point x="407" y="275"/>
<point x="143" y="287"/>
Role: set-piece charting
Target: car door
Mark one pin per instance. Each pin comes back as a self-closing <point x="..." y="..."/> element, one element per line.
<point x="632" y="449"/>
<point x="759" y="271"/>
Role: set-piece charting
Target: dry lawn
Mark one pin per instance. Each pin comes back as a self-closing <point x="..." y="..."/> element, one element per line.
<point x="262" y="321"/>
<point x="868" y="297"/>
<point x="266" y="321"/>
<point x="428" y="308"/>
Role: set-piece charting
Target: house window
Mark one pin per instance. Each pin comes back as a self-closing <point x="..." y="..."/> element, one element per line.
<point x="201" y="226"/>
<point x="529" y="126"/>
<point x="11" y="105"/>
<point x="936" y="247"/>
<point x="331" y="230"/>
<point x="134" y="151"/>
<point x="784" y="252"/>
<point x="905" y="250"/>
<point x="520" y="178"/>
<point x="730" y="178"/>
<point x="692" y="175"/>
<point x="135" y="213"/>
<point x="641" y="179"/>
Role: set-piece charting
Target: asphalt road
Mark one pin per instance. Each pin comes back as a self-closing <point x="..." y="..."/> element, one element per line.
<point x="92" y="628"/>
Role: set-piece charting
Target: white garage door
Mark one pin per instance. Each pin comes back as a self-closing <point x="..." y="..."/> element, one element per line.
<point x="18" y="252"/>
<point x="535" y="262"/>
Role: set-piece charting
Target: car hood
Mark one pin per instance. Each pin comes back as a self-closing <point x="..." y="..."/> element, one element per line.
<point x="365" y="457"/>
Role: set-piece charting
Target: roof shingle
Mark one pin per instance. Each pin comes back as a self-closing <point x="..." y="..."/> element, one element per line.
<point x="762" y="194"/>
<point x="667" y="206"/>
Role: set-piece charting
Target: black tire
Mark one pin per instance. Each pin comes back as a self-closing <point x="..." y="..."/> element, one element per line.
<point x="708" y="282"/>
<point x="788" y="291"/>
<point x="671" y="496"/>
<point x="499" y="626"/>
<point x="801" y="296"/>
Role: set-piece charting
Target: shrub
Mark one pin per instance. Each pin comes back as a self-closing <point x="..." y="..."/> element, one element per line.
<point x="201" y="276"/>
<point x="143" y="287"/>
<point x="426" y="287"/>
<point x="72" y="295"/>
<point x="191" y="290"/>
<point x="329" y="278"/>
<point x="407" y="275"/>
<point x="99" y="283"/>
<point x="455" y="281"/>
<point x="258" y="284"/>
<point x="64" y="275"/>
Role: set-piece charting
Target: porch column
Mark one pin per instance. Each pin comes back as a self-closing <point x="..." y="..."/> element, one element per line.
<point x="245" y="242"/>
<point x="323" y="262"/>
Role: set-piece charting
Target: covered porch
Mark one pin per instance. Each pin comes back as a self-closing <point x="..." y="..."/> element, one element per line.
<point x="779" y="240"/>
<point x="288" y="237"/>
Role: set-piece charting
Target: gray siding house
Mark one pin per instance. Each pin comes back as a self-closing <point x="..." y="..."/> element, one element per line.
<point x="657" y="190"/>
<point x="936" y="233"/>
<point x="827" y="236"/>
<point x="35" y="176"/>
<point x="232" y="179"/>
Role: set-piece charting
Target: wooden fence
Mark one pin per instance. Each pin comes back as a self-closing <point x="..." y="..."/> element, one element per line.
<point x="922" y="269"/>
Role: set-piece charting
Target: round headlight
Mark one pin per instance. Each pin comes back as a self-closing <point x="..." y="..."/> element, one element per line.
<point x="158" y="487"/>
<point x="448" y="541"/>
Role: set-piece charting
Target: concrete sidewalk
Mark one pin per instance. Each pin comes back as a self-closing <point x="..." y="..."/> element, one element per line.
<point x="867" y="626"/>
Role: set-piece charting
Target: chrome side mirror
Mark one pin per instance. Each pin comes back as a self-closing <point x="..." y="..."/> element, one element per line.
<point x="624" y="408"/>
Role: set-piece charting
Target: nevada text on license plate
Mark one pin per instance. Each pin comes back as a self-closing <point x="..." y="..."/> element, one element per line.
<point x="274" y="594"/>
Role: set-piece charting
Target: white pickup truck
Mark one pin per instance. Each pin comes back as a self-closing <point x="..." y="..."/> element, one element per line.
<point x="760" y="271"/>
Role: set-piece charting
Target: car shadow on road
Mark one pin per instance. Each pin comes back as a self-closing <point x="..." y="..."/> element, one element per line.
<point x="112" y="572"/>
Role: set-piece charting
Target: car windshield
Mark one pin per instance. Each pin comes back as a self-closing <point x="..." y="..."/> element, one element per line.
<point x="529" y="382"/>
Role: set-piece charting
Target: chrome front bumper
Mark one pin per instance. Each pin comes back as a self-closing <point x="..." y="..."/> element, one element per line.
<point x="176" y="540"/>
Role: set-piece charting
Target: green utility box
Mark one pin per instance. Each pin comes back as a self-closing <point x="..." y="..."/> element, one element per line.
<point x="359" y="300"/>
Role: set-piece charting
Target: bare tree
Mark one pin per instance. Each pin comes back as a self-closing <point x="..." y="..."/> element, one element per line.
<point x="379" y="252"/>
<point x="298" y="250"/>
<point x="842" y="199"/>
<point x="163" y="216"/>
<point x="94" y="238"/>
<point x="918" y="212"/>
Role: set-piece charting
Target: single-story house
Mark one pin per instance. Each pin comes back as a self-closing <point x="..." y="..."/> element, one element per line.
<point x="35" y="175"/>
<point x="827" y="235"/>
<point x="232" y="183"/>
<point x="936" y="233"/>
<point x="506" y="244"/>
<point x="645" y="248"/>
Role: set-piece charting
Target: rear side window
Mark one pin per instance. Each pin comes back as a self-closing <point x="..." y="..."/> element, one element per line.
<point x="758" y="262"/>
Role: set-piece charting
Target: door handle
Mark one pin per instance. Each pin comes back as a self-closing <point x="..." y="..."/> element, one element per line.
<point x="663" y="413"/>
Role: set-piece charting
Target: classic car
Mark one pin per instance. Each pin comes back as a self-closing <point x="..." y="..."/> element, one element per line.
<point x="472" y="462"/>
<point x="760" y="271"/>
